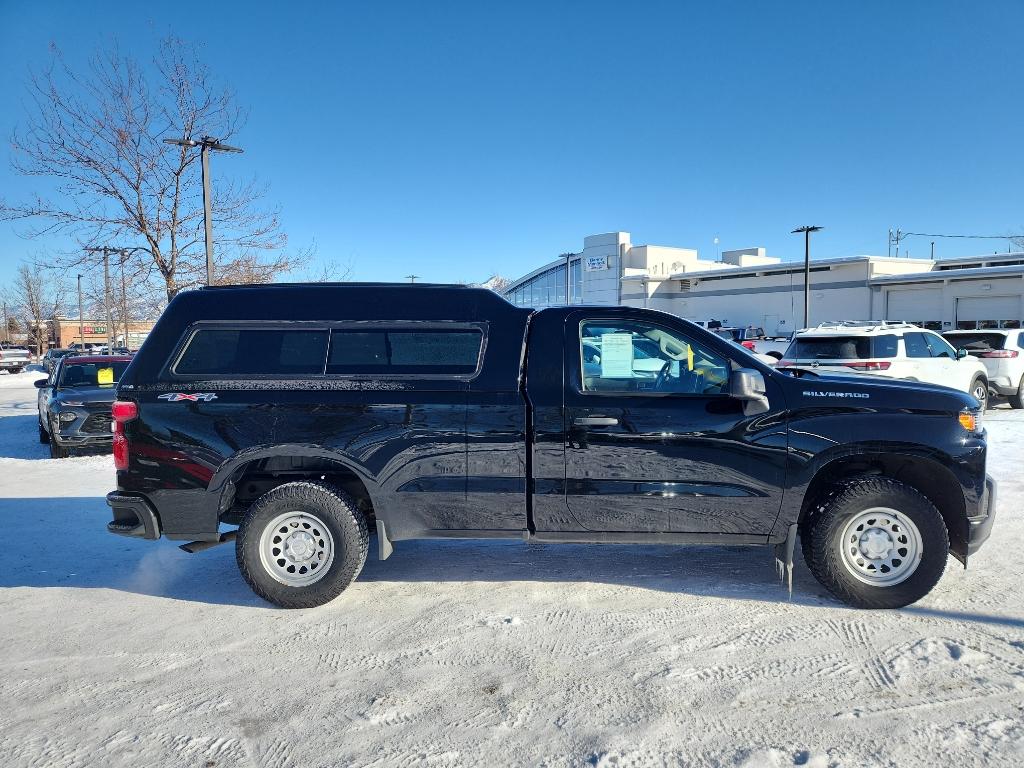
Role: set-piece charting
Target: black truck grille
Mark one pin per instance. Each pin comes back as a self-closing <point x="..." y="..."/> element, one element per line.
<point x="97" y="424"/>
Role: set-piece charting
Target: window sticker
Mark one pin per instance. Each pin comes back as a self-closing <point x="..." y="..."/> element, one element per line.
<point x="616" y="356"/>
<point x="105" y="376"/>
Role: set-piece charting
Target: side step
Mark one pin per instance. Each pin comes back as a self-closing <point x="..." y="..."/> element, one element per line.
<point x="200" y="546"/>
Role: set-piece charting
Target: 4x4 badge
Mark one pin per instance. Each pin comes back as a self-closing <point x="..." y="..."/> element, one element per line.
<point x="176" y="397"/>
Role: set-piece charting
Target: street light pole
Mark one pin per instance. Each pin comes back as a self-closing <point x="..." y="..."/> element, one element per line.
<point x="807" y="269"/>
<point x="205" y="144"/>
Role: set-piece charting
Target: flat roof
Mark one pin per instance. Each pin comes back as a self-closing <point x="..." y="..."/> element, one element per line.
<point x="785" y="266"/>
<point x="951" y="274"/>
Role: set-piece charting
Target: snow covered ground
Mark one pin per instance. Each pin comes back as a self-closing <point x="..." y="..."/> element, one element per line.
<point x="125" y="653"/>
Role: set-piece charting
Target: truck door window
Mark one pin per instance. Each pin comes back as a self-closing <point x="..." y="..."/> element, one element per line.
<point x="639" y="357"/>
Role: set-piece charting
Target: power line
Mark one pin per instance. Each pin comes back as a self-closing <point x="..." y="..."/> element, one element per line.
<point x="968" y="237"/>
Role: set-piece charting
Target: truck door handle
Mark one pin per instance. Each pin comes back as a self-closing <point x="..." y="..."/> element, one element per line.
<point x="595" y="421"/>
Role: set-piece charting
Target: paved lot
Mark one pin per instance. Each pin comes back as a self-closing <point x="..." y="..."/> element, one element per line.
<point x="129" y="653"/>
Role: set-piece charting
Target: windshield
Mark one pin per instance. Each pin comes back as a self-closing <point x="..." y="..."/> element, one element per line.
<point x="841" y="347"/>
<point x="91" y="374"/>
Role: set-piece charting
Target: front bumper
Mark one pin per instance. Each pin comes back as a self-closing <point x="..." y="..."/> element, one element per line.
<point x="980" y="526"/>
<point x="133" y="516"/>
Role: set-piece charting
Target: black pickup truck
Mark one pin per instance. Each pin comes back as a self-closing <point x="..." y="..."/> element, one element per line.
<point x="311" y="415"/>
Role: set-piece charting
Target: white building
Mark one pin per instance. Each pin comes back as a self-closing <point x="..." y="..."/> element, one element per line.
<point x="748" y="287"/>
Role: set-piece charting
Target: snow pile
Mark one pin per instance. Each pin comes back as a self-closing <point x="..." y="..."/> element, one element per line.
<point x="128" y="653"/>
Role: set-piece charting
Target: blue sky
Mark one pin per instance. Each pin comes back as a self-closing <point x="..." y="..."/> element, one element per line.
<point x="454" y="140"/>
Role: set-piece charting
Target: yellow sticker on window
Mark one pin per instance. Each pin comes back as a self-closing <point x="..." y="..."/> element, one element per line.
<point x="105" y="376"/>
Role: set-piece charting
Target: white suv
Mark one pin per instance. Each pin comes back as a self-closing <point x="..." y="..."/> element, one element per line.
<point x="896" y="350"/>
<point x="1001" y="351"/>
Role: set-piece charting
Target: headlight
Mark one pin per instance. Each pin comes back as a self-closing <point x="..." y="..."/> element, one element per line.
<point x="970" y="419"/>
<point x="66" y="417"/>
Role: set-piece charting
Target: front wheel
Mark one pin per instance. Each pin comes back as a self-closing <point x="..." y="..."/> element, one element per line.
<point x="44" y="436"/>
<point x="301" y="544"/>
<point x="876" y="543"/>
<point x="56" y="452"/>
<point x="979" y="389"/>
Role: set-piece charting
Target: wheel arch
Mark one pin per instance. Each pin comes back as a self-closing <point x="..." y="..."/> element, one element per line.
<point x="251" y="473"/>
<point x="929" y="477"/>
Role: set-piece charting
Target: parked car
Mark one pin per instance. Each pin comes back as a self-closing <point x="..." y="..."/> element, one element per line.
<point x="74" y="403"/>
<point x="1001" y="351"/>
<point x="895" y="350"/>
<point x="309" y="415"/>
<point x="14" y="359"/>
<point x="52" y="356"/>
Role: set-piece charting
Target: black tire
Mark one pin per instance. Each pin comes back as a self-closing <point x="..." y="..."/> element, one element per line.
<point x="56" y="452"/>
<point x="776" y="355"/>
<point x="821" y="532"/>
<point x="1017" y="401"/>
<point x="338" y="513"/>
<point x="44" y="436"/>
<point x="979" y="389"/>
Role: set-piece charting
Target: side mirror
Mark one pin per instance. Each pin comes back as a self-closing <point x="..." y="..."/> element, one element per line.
<point x="961" y="353"/>
<point x="41" y="383"/>
<point x="748" y="385"/>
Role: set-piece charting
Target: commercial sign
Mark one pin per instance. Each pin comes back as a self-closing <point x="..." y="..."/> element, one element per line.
<point x="595" y="263"/>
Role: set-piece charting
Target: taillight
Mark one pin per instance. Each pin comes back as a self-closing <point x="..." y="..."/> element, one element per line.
<point x="870" y="365"/>
<point x="123" y="411"/>
<point x="997" y="353"/>
<point x="748" y="345"/>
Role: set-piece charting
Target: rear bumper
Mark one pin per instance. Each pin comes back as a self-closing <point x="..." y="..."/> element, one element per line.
<point x="133" y="516"/>
<point x="980" y="526"/>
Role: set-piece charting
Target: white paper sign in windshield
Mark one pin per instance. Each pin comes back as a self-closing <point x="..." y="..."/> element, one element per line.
<point x="616" y="356"/>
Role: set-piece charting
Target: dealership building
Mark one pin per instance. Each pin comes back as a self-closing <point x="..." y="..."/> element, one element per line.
<point x="749" y="287"/>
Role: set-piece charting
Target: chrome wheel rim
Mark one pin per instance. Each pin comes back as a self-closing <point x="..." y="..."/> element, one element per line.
<point x="296" y="548"/>
<point x="881" y="547"/>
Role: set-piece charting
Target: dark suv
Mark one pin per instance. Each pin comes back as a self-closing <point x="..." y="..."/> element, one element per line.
<point x="310" y="415"/>
<point x="74" y="403"/>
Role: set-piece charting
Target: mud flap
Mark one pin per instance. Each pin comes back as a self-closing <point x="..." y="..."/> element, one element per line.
<point x="384" y="548"/>
<point x="784" y="559"/>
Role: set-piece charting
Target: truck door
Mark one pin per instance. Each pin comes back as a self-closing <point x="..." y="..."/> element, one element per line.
<point x="654" y="441"/>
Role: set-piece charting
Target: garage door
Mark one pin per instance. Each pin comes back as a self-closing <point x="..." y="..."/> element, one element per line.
<point x="921" y="307"/>
<point x="988" y="312"/>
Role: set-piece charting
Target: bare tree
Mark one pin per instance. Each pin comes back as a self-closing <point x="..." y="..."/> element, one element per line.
<point x="37" y="297"/>
<point x="99" y="134"/>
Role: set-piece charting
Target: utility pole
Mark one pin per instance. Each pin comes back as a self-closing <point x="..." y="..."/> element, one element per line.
<point x="205" y="144"/>
<point x="807" y="269"/>
<point x="7" y="326"/>
<point x="124" y="302"/>
<point x="412" y="278"/>
<point x="81" y="321"/>
<point x="106" y="250"/>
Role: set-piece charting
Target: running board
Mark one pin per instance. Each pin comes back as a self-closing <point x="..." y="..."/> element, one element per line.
<point x="201" y="546"/>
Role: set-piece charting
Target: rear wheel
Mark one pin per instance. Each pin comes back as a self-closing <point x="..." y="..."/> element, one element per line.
<point x="876" y="543"/>
<point x="301" y="544"/>
<point x="979" y="389"/>
<point x="1017" y="400"/>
